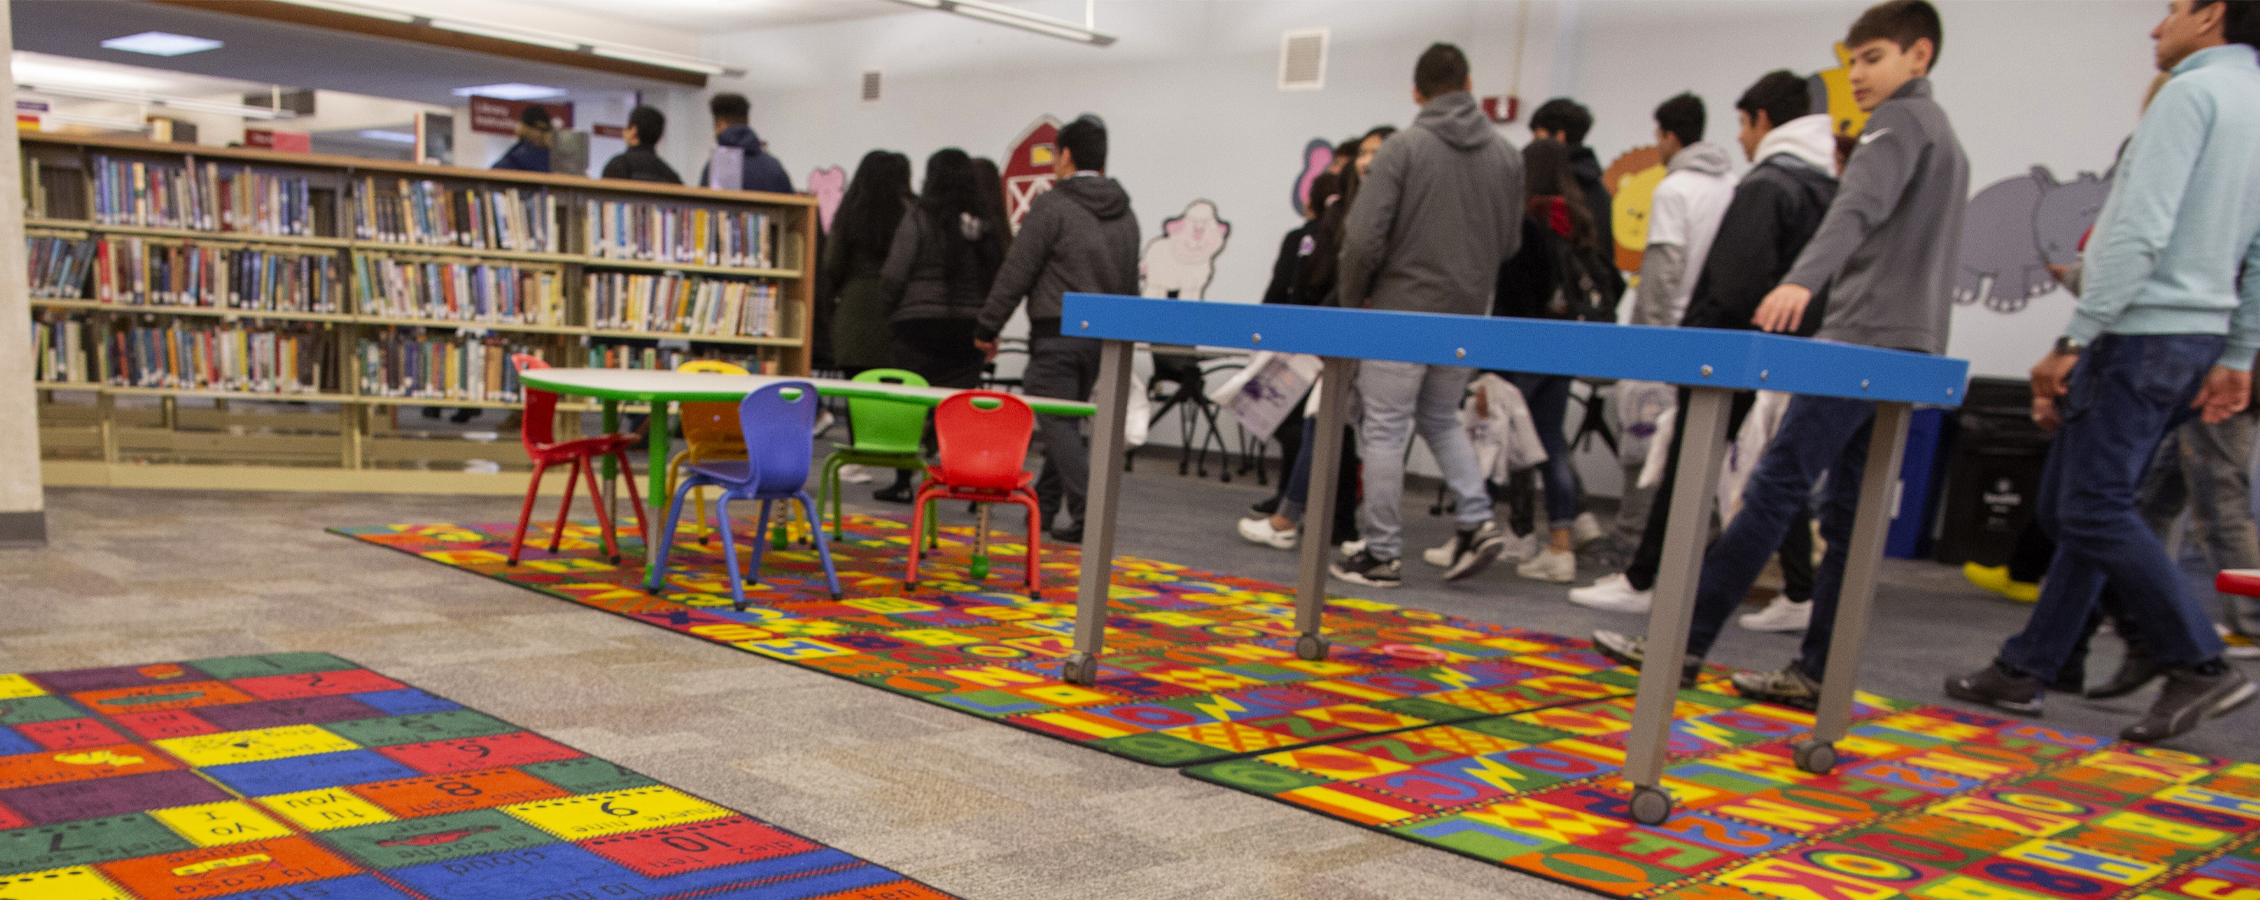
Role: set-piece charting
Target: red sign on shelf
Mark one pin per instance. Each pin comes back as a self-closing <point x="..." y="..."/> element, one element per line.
<point x="492" y="115"/>
<point x="286" y="141"/>
<point x="609" y="131"/>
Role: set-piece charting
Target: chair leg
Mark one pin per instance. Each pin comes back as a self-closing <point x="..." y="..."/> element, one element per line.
<point x="729" y="551"/>
<point x="918" y="523"/>
<point x="1035" y="547"/>
<point x="658" y="574"/>
<point x="603" y="516"/>
<point x="571" y="479"/>
<point x="518" y="541"/>
<point x="760" y="542"/>
<point x="823" y="547"/>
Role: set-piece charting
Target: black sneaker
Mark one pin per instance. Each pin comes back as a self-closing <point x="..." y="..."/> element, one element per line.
<point x="1266" y="506"/>
<point x="894" y="493"/>
<point x="1633" y="651"/>
<point x="1072" y="535"/>
<point x="1365" y="568"/>
<point x="2190" y="697"/>
<point x="1998" y="686"/>
<point x="465" y="415"/>
<point x="1474" y="549"/>
<point x="2136" y="670"/>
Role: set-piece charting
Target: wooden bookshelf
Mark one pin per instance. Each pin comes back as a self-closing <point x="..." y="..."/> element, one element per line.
<point x="498" y="235"/>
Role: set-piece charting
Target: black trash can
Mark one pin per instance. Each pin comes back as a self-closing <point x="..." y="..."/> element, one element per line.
<point x="1993" y="478"/>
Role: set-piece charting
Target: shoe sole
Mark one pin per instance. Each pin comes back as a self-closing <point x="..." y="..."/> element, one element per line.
<point x="1546" y="579"/>
<point x="1605" y="606"/>
<point x="1355" y="578"/>
<point x="2020" y="707"/>
<point x="1807" y="704"/>
<point x="1770" y="628"/>
<point x="2239" y="697"/>
<point x="2115" y="691"/>
<point x="1475" y="561"/>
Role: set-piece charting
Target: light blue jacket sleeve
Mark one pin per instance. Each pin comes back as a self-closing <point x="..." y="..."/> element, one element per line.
<point x="2244" y="326"/>
<point x="2138" y="218"/>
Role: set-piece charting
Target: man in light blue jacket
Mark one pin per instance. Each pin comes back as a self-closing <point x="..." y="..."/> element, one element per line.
<point x="2163" y="331"/>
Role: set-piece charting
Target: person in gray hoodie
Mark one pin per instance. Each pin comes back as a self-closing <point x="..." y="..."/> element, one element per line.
<point x="1440" y="209"/>
<point x="1080" y="236"/>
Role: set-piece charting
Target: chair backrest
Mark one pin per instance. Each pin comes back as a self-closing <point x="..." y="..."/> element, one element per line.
<point x="779" y="425"/>
<point x="709" y="423"/>
<point x="887" y="426"/>
<point x="984" y="437"/>
<point x="537" y="427"/>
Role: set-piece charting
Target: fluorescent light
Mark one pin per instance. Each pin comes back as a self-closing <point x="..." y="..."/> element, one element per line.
<point x="535" y="36"/>
<point x="511" y="91"/>
<point x="397" y="137"/>
<point x="160" y="43"/>
<point x="1010" y="17"/>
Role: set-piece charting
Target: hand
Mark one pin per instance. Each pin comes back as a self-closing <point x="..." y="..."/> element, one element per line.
<point x="2048" y="380"/>
<point x="2225" y="394"/>
<point x="2059" y="272"/>
<point x="1783" y="309"/>
<point x="988" y="350"/>
<point x="2044" y="414"/>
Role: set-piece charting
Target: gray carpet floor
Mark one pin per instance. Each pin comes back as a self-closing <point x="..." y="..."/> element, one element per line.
<point x="972" y="807"/>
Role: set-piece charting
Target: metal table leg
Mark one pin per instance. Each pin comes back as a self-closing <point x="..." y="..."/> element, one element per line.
<point x="1112" y="397"/>
<point x="1878" y="489"/>
<point x="1701" y="447"/>
<point x="1318" y="509"/>
<point x="611" y="500"/>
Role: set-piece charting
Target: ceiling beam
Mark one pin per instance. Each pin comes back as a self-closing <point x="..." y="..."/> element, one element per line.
<point x="294" y="14"/>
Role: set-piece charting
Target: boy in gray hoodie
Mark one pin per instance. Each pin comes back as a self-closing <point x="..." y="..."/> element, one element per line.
<point x="1440" y="208"/>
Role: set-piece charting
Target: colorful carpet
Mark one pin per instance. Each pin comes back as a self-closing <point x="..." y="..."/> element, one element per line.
<point x="1199" y="666"/>
<point x="298" y="776"/>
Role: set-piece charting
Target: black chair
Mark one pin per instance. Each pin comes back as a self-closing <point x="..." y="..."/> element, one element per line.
<point x="1186" y="393"/>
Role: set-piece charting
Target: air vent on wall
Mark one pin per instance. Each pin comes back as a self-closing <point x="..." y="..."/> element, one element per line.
<point x="1302" y="60"/>
<point x="871" y="87"/>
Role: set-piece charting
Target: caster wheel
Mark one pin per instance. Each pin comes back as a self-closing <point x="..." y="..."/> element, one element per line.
<point x="1816" y="757"/>
<point x="740" y="607"/>
<point x="1035" y="595"/>
<point x="836" y="597"/>
<point x="1079" y="669"/>
<point x="1310" y="647"/>
<point x="615" y="559"/>
<point x="980" y="567"/>
<point x="1650" y="806"/>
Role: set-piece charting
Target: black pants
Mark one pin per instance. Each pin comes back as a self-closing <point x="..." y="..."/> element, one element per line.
<point x="1062" y="368"/>
<point x="1796" y="546"/>
<point x="940" y="351"/>
<point x="1289" y="436"/>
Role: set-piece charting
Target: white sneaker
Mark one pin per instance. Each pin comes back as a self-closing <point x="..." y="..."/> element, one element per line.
<point x="1613" y="593"/>
<point x="1783" y="614"/>
<point x="1259" y="531"/>
<point x="1557" y="567"/>
<point x="1521" y="548"/>
<point x="1585" y="529"/>
<point x="1351" y="548"/>
<point x="1440" y="555"/>
<point x="854" y="474"/>
<point x="824" y="421"/>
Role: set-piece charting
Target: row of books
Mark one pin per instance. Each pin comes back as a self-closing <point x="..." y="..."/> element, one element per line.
<point x="416" y="364"/>
<point x="430" y="213"/>
<point x="203" y="196"/>
<point x="626" y="229"/>
<point x="138" y="271"/>
<point x="58" y="350"/>
<point x="59" y="266"/>
<point x="682" y="305"/>
<point x="633" y="356"/>
<point x="282" y="359"/>
<point x="460" y="292"/>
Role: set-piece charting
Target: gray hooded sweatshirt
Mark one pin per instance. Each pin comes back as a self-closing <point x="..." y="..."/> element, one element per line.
<point x="1682" y="220"/>
<point x="1081" y="237"/>
<point x="1439" y="210"/>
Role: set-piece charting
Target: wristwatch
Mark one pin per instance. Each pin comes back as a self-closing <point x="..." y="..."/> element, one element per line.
<point x="2065" y="346"/>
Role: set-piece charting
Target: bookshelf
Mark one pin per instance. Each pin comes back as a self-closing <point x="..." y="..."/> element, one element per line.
<point x="236" y="318"/>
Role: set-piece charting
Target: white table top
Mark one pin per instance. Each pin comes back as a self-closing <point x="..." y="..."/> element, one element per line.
<point x="648" y="385"/>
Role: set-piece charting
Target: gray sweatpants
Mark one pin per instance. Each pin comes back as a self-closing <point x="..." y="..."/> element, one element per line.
<point x="1397" y="399"/>
<point x="1062" y="368"/>
<point x="2207" y="469"/>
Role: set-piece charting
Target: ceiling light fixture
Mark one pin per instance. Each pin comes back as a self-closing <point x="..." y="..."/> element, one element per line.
<point x="191" y="104"/>
<point x="998" y="14"/>
<point x="161" y="43"/>
<point x="535" y="36"/>
<point x="511" y="91"/>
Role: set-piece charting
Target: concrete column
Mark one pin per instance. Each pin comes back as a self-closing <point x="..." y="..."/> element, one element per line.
<point x="23" y="516"/>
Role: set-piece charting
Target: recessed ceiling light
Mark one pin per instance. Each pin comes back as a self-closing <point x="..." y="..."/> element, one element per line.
<point x="397" y="137"/>
<point x="159" y="43"/>
<point x="511" y="91"/>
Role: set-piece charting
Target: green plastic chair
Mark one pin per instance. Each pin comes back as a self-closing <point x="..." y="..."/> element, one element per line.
<point x="886" y="436"/>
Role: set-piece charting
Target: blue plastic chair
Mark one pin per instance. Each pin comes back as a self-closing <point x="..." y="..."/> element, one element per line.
<point x="779" y="422"/>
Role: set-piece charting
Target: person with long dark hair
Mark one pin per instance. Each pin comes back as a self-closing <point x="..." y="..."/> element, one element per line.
<point x="863" y="230"/>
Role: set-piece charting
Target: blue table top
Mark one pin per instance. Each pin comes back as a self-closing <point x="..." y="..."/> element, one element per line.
<point x="1697" y="357"/>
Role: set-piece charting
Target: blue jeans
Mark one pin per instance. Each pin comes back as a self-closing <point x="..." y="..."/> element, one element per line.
<point x="1548" y="399"/>
<point x="1818" y="435"/>
<point x="1294" y="493"/>
<point x="2127" y="393"/>
<point x="1398" y="398"/>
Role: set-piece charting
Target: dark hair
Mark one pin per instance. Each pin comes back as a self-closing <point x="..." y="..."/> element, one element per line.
<point x="1320" y="272"/>
<point x="1442" y="70"/>
<point x="1546" y="172"/>
<point x="1347" y="151"/>
<point x="990" y="182"/>
<point x="731" y="108"/>
<point x="1378" y="131"/>
<point x="1781" y="94"/>
<point x="873" y="204"/>
<point x="535" y="115"/>
<point x="1683" y="117"/>
<point x="2240" y="20"/>
<point x="649" y="124"/>
<point x="1901" y="22"/>
<point x="1322" y="188"/>
<point x="950" y="194"/>
<point x="1085" y="138"/>
<point x="1565" y="117"/>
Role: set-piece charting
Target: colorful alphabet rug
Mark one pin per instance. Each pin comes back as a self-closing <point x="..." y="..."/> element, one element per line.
<point x="1199" y="666"/>
<point x="297" y="776"/>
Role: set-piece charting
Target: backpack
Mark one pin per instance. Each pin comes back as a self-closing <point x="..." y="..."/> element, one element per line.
<point x="1584" y="289"/>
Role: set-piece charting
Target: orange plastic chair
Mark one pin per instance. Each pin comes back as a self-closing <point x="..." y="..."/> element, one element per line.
<point x="710" y="428"/>
<point x="537" y="431"/>
<point x="984" y="444"/>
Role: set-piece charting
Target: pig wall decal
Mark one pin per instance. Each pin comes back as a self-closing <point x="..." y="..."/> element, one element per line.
<point x="1181" y="261"/>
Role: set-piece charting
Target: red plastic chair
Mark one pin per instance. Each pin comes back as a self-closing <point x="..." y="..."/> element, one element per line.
<point x="538" y="432"/>
<point x="984" y="443"/>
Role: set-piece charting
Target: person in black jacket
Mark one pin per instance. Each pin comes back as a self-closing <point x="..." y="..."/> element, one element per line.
<point x="531" y="152"/>
<point x="936" y="280"/>
<point x="1776" y="209"/>
<point x="640" y="163"/>
<point x="758" y="169"/>
<point x="1568" y="121"/>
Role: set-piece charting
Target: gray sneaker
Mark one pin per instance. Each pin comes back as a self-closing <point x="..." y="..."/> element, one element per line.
<point x="2188" y="698"/>
<point x="1788" y="686"/>
<point x="1633" y="651"/>
<point x="1365" y="568"/>
<point x="1473" y="550"/>
<point x="1998" y="686"/>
